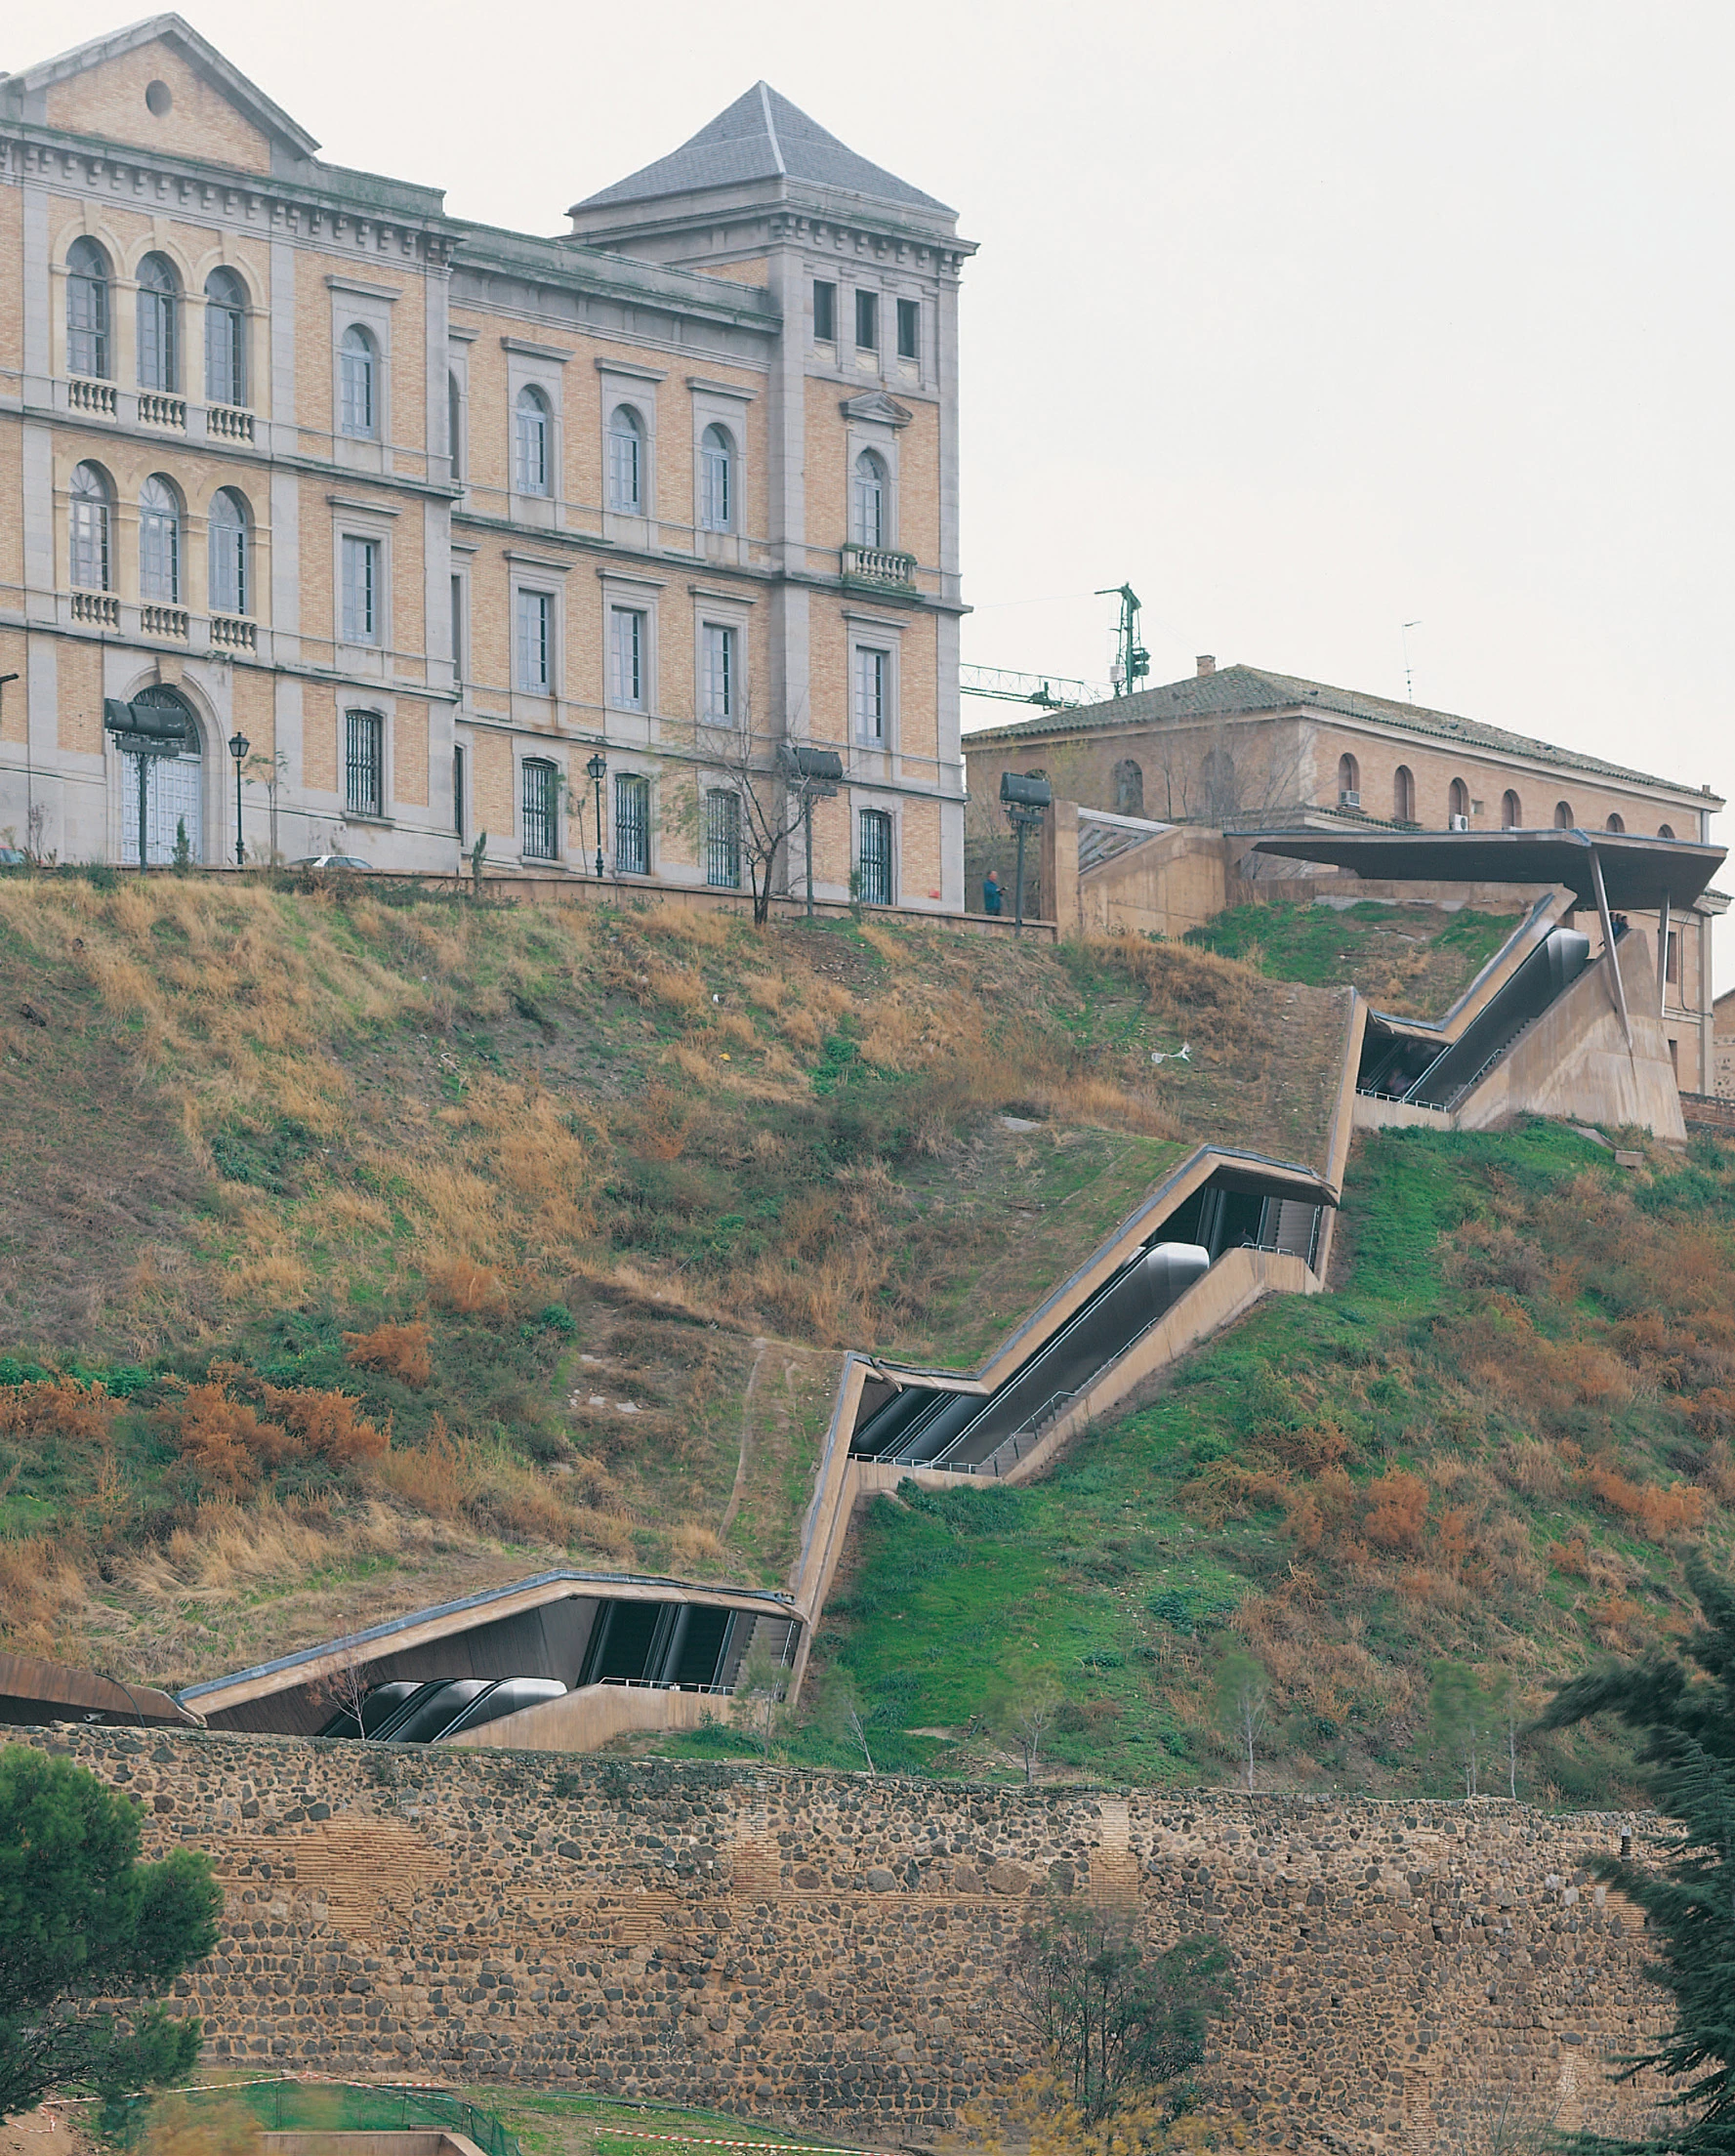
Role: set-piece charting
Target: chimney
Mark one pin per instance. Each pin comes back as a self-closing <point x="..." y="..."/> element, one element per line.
<point x="1205" y="662"/>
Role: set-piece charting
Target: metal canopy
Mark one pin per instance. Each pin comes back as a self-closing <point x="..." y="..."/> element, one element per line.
<point x="1637" y="873"/>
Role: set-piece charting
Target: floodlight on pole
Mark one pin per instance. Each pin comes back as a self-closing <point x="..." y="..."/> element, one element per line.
<point x="1026" y="797"/>
<point x="817" y="776"/>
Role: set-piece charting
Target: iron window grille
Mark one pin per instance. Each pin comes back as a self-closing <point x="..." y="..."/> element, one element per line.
<point x="541" y="811"/>
<point x="364" y="764"/>
<point x="632" y="825"/>
<point x="825" y="313"/>
<point x="158" y="359"/>
<point x="227" y="547"/>
<point x="159" y="544"/>
<point x="90" y="525"/>
<point x="723" y="840"/>
<point x="626" y="460"/>
<point x="458" y="628"/>
<point x="874" y="880"/>
<point x="361" y="591"/>
<point x="226" y="339"/>
<point x="535" y="641"/>
<point x="718" y="673"/>
<point x="360" y="405"/>
<point x="626" y="625"/>
<point x="873" y="670"/>
<point x="530" y="442"/>
<point x="909" y="323"/>
<point x="87" y="310"/>
<point x="458" y="792"/>
<point x="717" y="490"/>
<point x="867" y="321"/>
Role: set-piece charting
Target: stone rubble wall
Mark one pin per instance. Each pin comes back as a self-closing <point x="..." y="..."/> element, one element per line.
<point x="832" y="1949"/>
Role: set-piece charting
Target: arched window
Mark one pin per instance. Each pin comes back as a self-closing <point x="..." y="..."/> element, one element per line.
<point x="867" y="505"/>
<point x="92" y="520"/>
<point x="1403" y="795"/>
<point x="1665" y="830"/>
<point x="159" y="291"/>
<point x="626" y="460"/>
<point x="159" y="542"/>
<point x="1511" y="816"/>
<point x="358" y="365"/>
<point x="1348" y="780"/>
<point x="226" y="339"/>
<point x="1458" y="801"/>
<point x="455" y="425"/>
<point x="716" y="480"/>
<point x="87" y="310"/>
<point x="231" y="569"/>
<point x="530" y="431"/>
<point x="1129" y="788"/>
<point x="1614" y="823"/>
<point x="1563" y="815"/>
<point x="173" y="790"/>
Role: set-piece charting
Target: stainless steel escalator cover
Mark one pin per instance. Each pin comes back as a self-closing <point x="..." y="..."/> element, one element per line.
<point x="506" y="1697"/>
<point x="1569" y="953"/>
<point x="1172" y="1267"/>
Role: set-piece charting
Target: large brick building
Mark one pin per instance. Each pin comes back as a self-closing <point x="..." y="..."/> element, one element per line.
<point x="1244" y="750"/>
<point x="433" y="514"/>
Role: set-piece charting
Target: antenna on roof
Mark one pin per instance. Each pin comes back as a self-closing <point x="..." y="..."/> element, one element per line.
<point x="1132" y="660"/>
<point x="1409" y="684"/>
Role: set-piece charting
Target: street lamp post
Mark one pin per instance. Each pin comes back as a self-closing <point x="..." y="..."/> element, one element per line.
<point x="1025" y="798"/>
<point x="239" y="745"/>
<point x="596" y="770"/>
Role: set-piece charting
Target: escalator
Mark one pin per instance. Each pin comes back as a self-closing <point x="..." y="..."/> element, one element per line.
<point x="1427" y="1071"/>
<point x="406" y="1713"/>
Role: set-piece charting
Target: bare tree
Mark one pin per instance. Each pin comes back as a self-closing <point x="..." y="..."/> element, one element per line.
<point x="1022" y="1716"/>
<point x="349" y="1683"/>
<point x="757" y="1706"/>
<point x="1244" y="1693"/>
<point x="840" y="1715"/>
<point x="273" y="770"/>
<point x="775" y="798"/>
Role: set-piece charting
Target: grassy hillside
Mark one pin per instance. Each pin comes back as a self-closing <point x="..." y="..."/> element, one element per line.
<point x="1486" y="1450"/>
<point x="358" y="1252"/>
<point x="1412" y="960"/>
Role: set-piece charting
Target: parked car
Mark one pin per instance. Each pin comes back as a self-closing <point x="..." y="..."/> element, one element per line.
<point x="317" y="862"/>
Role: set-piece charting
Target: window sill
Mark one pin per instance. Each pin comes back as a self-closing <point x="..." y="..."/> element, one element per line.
<point x="373" y="824"/>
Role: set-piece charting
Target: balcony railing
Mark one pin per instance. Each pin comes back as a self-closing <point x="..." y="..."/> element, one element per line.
<point x="102" y="608"/>
<point x="155" y="409"/>
<point x="878" y="565"/>
<point x="95" y="397"/>
<point x="163" y="621"/>
<point x="226" y="423"/>
<point x="231" y="632"/>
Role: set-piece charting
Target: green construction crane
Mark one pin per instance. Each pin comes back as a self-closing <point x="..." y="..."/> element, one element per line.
<point x="1133" y="661"/>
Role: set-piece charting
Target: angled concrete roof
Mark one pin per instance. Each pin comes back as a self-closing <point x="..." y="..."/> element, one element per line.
<point x="199" y="52"/>
<point x="1638" y="872"/>
<point x="1245" y="690"/>
<point x="762" y="136"/>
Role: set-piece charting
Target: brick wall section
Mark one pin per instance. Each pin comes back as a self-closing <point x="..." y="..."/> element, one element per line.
<point x="832" y="1949"/>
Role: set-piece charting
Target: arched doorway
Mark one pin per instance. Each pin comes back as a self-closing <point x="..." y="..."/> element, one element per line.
<point x="174" y="790"/>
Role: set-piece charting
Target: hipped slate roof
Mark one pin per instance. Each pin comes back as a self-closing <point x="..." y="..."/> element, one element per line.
<point x="1243" y="691"/>
<point x="762" y="136"/>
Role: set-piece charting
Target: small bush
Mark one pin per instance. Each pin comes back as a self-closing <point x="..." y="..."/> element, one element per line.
<point x="400" y="1350"/>
<point x="1397" y="1512"/>
<point x="467" y="1289"/>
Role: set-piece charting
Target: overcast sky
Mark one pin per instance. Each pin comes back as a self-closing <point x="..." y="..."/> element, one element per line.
<point x="1306" y="319"/>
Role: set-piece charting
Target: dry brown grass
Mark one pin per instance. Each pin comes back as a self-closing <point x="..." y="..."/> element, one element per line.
<point x="401" y="1350"/>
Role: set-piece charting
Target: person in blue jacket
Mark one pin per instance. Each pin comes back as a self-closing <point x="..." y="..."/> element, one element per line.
<point x="993" y="894"/>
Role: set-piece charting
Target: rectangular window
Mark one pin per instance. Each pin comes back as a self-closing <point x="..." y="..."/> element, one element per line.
<point x="626" y="638"/>
<point x="722" y="841"/>
<point x="825" y="313"/>
<point x="718" y="682"/>
<point x="1671" y="960"/>
<point x="632" y="825"/>
<point x="909" y="321"/>
<point x="541" y="815"/>
<point x="867" y="321"/>
<point x="361" y="591"/>
<point x="873" y="682"/>
<point x="458" y="791"/>
<point x="874" y="880"/>
<point x="364" y="764"/>
<point x="457" y="628"/>
<point x="534" y="640"/>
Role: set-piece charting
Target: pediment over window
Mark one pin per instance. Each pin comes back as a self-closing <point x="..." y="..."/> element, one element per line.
<point x="876" y="404"/>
